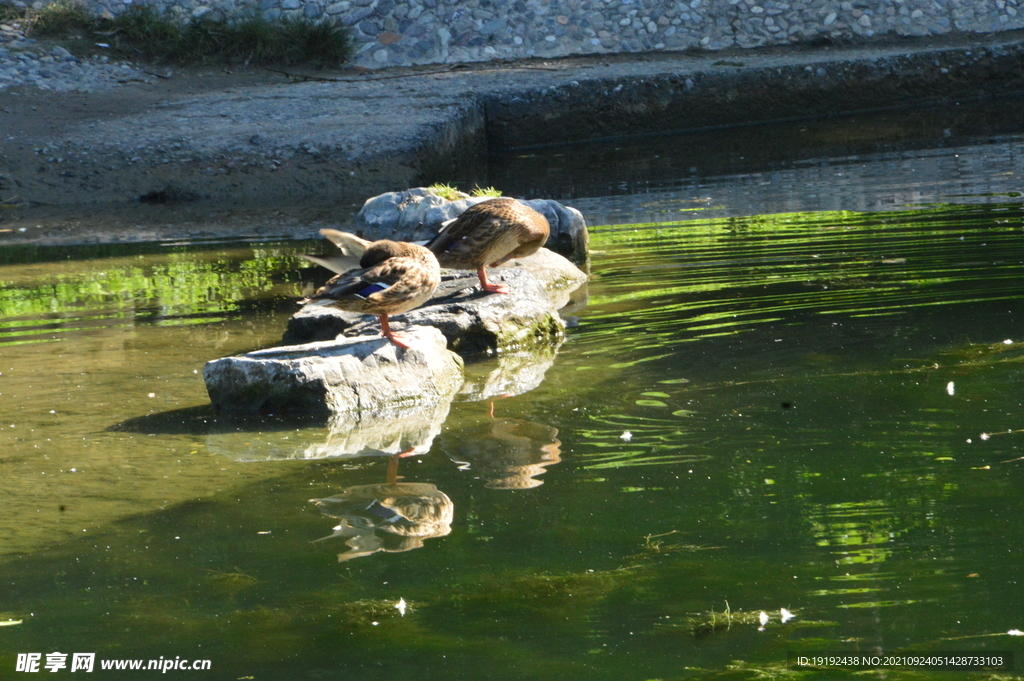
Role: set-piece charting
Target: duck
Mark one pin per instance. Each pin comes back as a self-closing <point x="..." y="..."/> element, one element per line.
<point x="489" y="234"/>
<point x="376" y="277"/>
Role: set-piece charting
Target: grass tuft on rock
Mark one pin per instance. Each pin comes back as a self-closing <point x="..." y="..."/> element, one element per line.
<point x="451" y="193"/>
<point x="140" y="32"/>
<point x="447" y="191"/>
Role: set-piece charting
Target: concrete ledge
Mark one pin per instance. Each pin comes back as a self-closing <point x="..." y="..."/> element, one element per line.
<point x="681" y="101"/>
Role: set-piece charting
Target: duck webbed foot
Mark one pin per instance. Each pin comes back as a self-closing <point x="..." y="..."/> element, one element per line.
<point x="399" y="339"/>
<point x="489" y="286"/>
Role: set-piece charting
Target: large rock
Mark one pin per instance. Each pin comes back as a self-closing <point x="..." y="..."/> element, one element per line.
<point x="369" y="379"/>
<point x="563" y="280"/>
<point x="417" y="214"/>
<point x="475" y="324"/>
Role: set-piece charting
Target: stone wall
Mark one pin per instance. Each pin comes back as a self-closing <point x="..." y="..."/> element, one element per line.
<point x="402" y="32"/>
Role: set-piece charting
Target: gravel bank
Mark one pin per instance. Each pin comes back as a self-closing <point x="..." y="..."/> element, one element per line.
<point x="25" y="62"/>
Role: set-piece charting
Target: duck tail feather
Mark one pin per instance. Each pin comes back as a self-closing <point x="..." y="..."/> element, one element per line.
<point x="349" y="244"/>
<point x="339" y="264"/>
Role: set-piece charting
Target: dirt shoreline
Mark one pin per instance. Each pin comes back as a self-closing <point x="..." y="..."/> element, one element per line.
<point x="261" y="154"/>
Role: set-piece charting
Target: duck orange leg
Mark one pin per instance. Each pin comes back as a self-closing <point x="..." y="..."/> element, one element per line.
<point x="487" y="285"/>
<point x="393" y="464"/>
<point x="397" y="339"/>
<point x="392" y="469"/>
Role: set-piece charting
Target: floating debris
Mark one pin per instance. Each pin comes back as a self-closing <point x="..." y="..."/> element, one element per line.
<point x="368" y="612"/>
<point x="626" y="436"/>
<point x="720" y="622"/>
<point x="231" y="580"/>
<point x="400" y="606"/>
<point x="653" y="544"/>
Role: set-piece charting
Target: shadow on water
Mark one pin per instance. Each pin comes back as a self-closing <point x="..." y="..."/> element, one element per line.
<point x="201" y="420"/>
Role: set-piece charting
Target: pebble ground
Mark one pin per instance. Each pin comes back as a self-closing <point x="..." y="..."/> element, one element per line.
<point x="27" y="62"/>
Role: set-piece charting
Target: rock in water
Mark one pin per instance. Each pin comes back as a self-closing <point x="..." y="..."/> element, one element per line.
<point x="475" y="323"/>
<point x="366" y="377"/>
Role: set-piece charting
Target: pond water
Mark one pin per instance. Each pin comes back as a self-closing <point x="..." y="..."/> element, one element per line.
<point x="797" y="385"/>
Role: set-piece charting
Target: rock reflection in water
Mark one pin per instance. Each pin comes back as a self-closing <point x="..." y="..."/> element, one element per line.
<point x="507" y="453"/>
<point x="392" y="517"/>
<point x="508" y="375"/>
<point x="412" y="432"/>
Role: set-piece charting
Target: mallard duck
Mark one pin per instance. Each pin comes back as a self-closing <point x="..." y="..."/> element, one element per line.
<point x="390" y="277"/>
<point x="488" y="234"/>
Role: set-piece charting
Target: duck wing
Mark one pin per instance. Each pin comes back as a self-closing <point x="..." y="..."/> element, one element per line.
<point x="359" y="284"/>
<point x="467" y="235"/>
<point x="488" y="231"/>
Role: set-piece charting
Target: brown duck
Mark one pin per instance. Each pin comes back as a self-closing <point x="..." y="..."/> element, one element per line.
<point x="489" y="234"/>
<point x="391" y="277"/>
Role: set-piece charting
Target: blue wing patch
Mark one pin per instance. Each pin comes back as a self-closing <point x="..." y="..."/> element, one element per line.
<point x="386" y="514"/>
<point x="375" y="287"/>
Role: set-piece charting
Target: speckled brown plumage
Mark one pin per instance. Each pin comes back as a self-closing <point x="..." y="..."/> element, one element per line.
<point x="489" y="234"/>
<point x="409" y="272"/>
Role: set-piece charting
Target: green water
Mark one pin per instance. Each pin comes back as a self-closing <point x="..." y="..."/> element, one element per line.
<point x="816" y="411"/>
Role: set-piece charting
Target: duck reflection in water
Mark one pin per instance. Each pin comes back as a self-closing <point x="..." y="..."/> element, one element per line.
<point x="392" y="517"/>
<point x="507" y="453"/>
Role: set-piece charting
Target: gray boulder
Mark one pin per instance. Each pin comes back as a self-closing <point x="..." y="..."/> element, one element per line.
<point x="475" y="324"/>
<point x="369" y="379"/>
<point x="416" y="215"/>
<point x="411" y="215"/>
<point x="564" y="282"/>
